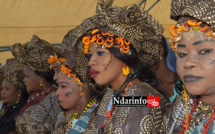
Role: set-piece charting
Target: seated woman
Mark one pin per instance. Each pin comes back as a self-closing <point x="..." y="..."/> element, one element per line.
<point x="119" y="54"/>
<point x="42" y="113"/>
<point x="13" y="94"/>
<point x="193" y="40"/>
<point x="77" y="91"/>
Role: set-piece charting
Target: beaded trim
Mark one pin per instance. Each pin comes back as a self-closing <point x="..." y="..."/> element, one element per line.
<point x="70" y="74"/>
<point x="89" y="105"/>
<point x="106" y="39"/>
<point x="175" y="31"/>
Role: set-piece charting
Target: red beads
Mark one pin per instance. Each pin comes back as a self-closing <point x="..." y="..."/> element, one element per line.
<point x="185" y="121"/>
<point x="214" y="107"/>
<point x="109" y="113"/>
<point x="205" y="124"/>
<point x="184" y="126"/>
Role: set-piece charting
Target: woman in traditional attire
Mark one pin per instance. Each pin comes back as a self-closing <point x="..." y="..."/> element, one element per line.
<point x="42" y="113"/>
<point x="55" y="62"/>
<point x="167" y="78"/>
<point x="76" y="92"/>
<point x="193" y="111"/>
<point x="13" y="95"/>
<point x="102" y="35"/>
<point x="1" y="80"/>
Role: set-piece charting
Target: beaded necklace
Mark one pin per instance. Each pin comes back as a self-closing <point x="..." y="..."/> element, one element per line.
<point x="90" y="104"/>
<point x="206" y="126"/>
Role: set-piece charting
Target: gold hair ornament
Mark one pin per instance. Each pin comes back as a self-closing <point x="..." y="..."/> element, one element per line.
<point x="70" y="74"/>
<point x="98" y="38"/>
<point x="54" y="58"/>
<point x="175" y="31"/>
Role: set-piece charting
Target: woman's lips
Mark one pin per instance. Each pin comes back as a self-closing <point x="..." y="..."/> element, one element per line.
<point x="191" y="78"/>
<point x="93" y="73"/>
<point x="2" y="98"/>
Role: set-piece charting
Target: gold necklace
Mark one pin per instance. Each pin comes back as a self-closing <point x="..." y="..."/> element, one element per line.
<point x="205" y="107"/>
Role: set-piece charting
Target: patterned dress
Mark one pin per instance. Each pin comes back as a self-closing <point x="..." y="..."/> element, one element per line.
<point x="44" y="117"/>
<point x="129" y="120"/>
<point x="175" y="115"/>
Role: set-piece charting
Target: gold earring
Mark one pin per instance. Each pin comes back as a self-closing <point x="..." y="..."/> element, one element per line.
<point x="81" y="94"/>
<point x="18" y="98"/>
<point x="125" y="70"/>
<point x="160" y="57"/>
<point x="41" y="84"/>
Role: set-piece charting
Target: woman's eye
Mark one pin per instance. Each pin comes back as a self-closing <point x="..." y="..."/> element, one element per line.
<point x="205" y="51"/>
<point x="62" y="86"/>
<point x="181" y="55"/>
<point x="89" y="55"/>
<point x="100" y="53"/>
<point x="58" y="70"/>
<point x="57" y="85"/>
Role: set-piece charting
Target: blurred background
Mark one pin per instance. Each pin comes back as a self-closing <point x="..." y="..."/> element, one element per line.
<point x="52" y="19"/>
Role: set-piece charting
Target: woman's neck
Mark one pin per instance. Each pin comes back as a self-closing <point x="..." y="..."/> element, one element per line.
<point x="167" y="78"/>
<point x="117" y="83"/>
<point x="208" y="100"/>
<point x="83" y="103"/>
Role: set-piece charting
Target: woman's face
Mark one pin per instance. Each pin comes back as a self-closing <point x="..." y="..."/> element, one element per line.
<point x="68" y="92"/>
<point x="196" y="65"/>
<point x="9" y="93"/>
<point x="31" y="80"/>
<point x="57" y="70"/>
<point x="105" y="68"/>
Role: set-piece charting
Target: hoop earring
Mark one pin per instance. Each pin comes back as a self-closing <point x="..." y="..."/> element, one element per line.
<point x="41" y="84"/>
<point x="18" y="98"/>
<point x="125" y="70"/>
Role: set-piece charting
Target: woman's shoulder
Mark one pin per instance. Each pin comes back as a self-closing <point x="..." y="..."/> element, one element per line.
<point x="51" y="96"/>
<point x="144" y="89"/>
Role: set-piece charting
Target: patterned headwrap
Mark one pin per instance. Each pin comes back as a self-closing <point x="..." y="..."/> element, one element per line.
<point x="131" y="22"/>
<point x="13" y="72"/>
<point x="1" y="76"/>
<point x="34" y="54"/>
<point x="191" y="15"/>
<point x="201" y="10"/>
<point x="76" y="66"/>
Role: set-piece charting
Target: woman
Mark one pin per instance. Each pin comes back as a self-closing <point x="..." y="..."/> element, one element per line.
<point x="104" y="36"/>
<point x="1" y="80"/>
<point x="13" y="94"/>
<point x="42" y="113"/>
<point x="55" y="62"/>
<point x="193" y="40"/>
<point x="167" y="78"/>
<point x="76" y="92"/>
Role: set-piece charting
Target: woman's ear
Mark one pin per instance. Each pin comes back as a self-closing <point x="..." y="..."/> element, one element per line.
<point x="20" y="91"/>
<point x="85" y="87"/>
<point x="161" y="51"/>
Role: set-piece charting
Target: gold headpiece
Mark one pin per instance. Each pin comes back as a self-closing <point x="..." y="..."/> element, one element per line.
<point x="70" y="74"/>
<point x="106" y="39"/>
<point x="192" y="15"/>
<point x="54" y="58"/>
<point x="13" y="72"/>
<point x="34" y="54"/>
